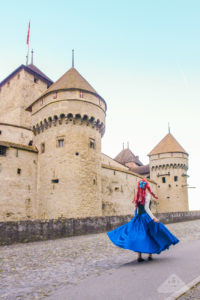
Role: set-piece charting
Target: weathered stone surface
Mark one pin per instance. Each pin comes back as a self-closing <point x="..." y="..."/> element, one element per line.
<point x="28" y="231"/>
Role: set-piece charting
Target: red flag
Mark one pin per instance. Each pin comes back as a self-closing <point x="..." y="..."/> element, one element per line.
<point x="27" y="40"/>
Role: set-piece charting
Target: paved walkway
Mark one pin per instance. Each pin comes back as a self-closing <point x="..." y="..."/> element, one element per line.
<point x="156" y="280"/>
<point x="35" y="270"/>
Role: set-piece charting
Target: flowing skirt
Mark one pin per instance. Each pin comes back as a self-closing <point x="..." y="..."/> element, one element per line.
<point x="142" y="234"/>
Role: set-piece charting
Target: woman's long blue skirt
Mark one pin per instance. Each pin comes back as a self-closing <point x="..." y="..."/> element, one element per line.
<point x="142" y="234"/>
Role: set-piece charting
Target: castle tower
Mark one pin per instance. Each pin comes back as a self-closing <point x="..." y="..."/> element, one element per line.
<point x="18" y="156"/>
<point x="68" y="122"/>
<point x="168" y="168"/>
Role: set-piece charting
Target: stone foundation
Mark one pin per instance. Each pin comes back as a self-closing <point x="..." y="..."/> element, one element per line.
<point x="29" y="231"/>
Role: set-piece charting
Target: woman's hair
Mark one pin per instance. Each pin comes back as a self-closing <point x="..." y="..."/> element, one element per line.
<point x="143" y="186"/>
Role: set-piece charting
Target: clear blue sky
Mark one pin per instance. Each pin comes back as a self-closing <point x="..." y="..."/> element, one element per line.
<point x="143" y="57"/>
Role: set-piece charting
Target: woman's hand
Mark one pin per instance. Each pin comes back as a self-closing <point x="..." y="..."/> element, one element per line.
<point x="156" y="220"/>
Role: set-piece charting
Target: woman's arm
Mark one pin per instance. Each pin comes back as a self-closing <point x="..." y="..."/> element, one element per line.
<point x="147" y="200"/>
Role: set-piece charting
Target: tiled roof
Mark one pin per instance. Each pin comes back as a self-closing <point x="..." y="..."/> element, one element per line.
<point x="142" y="170"/>
<point x="32" y="69"/>
<point x="167" y="144"/>
<point x="72" y="79"/>
<point x="126" y="155"/>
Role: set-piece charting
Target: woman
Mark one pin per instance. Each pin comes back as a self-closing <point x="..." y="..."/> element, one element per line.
<point x="144" y="233"/>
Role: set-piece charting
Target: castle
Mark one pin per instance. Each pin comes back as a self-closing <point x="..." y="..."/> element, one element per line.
<point x="51" y="165"/>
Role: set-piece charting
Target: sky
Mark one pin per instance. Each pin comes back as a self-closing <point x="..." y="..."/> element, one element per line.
<point x="142" y="57"/>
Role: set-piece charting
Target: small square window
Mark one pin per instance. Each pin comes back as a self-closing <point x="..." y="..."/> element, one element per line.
<point x="163" y="179"/>
<point x="175" y="178"/>
<point x="18" y="171"/>
<point x="61" y="143"/>
<point x="42" y="147"/>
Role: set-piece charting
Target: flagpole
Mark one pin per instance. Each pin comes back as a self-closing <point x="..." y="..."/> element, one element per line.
<point x="27" y="57"/>
<point x="27" y="41"/>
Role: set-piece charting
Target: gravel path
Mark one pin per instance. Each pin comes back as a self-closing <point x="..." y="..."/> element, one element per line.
<point x="35" y="270"/>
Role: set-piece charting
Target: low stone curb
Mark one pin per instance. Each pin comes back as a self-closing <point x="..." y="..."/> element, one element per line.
<point x="38" y="230"/>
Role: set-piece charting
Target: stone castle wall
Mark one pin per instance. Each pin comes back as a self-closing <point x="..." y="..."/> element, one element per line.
<point x="118" y="190"/>
<point x="16" y="95"/>
<point x="38" y="230"/>
<point x="74" y="180"/>
<point x="106" y="160"/>
<point x="16" y="134"/>
<point x="172" y="194"/>
<point x="18" y="188"/>
<point x="69" y="177"/>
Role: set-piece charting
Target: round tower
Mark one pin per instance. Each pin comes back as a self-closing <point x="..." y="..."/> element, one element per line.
<point x="68" y="123"/>
<point x="168" y="168"/>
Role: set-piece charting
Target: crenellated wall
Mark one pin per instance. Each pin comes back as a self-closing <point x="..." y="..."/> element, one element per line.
<point x="69" y="175"/>
<point x="172" y="194"/>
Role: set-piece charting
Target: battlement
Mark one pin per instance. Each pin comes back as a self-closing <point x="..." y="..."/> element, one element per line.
<point x="57" y="120"/>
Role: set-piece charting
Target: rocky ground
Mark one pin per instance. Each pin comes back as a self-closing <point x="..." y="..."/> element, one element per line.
<point x="35" y="270"/>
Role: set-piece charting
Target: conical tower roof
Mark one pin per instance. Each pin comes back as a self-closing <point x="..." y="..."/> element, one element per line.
<point x="72" y="79"/>
<point x="167" y="144"/>
<point x="126" y="155"/>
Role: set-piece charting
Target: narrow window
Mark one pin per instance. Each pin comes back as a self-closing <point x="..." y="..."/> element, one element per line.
<point x="175" y="178"/>
<point x="41" y="102"/>
<point x="163" y="179"/>
<point x="55" y="180"/>
<point x="61" y="143"/>
<point x="55" y="96"/>
<point x="35" y="79"/>
<point x="18" y="171"/>
<point x="0" y="132"/>
<point x="92" y="143"/>
<point x="81" y="94"/>
<point x="3" y="151"/>
<point x="17" y="154"/>
<point x="42" y="147"/>
<point x="30" y="143"/>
